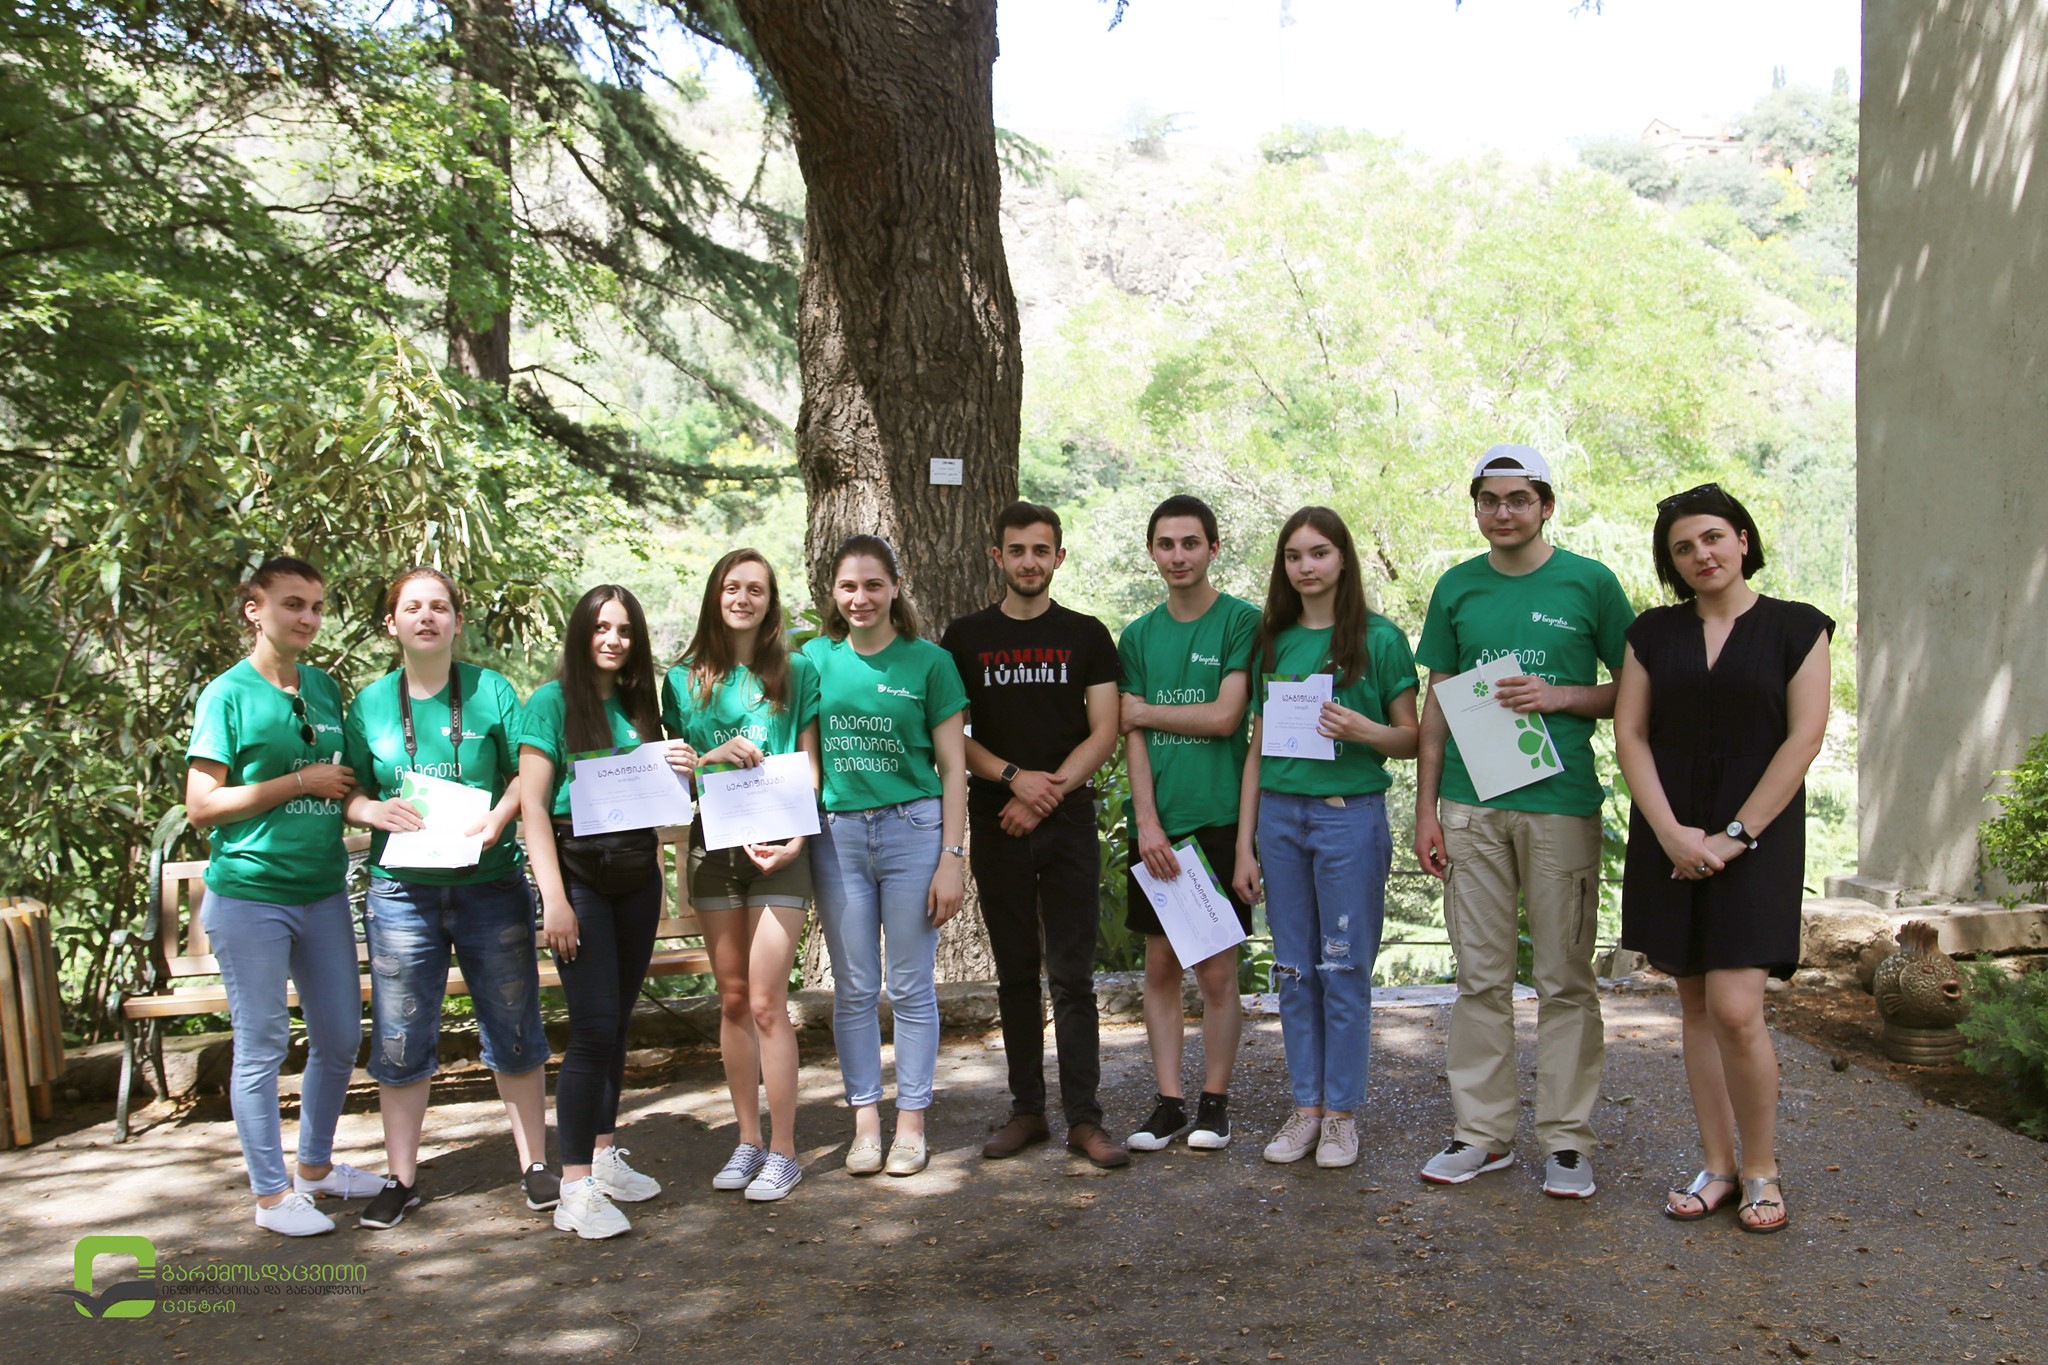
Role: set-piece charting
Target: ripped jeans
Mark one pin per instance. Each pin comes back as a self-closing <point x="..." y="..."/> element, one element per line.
<point x="489" y="925"/>
<point x="1325" y="868"/>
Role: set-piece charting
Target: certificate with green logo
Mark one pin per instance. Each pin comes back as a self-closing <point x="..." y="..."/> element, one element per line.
<point x="1502" y="749"/>
<point x="451" y="810"/>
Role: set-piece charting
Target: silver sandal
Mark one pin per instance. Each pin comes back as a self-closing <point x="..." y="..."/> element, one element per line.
<point x="1753" y="1198"/>
<point x="1706" y="1210"/>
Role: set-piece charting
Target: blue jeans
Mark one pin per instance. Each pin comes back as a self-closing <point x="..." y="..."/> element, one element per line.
<point x="489" y="925"/>
<point x="259" y="945"/>
<point x="1325" y="869"/>
<point x="873" y="870"/>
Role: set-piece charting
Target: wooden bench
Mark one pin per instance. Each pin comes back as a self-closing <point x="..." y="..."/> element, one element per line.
<point x="31" y="1017"/>
<point x="182" y="977"/>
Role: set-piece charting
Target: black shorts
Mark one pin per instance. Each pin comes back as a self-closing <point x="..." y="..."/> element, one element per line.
<point x="1219" y="843"/>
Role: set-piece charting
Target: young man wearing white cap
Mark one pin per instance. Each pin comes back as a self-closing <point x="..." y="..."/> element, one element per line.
<point x="1561" y="615"/>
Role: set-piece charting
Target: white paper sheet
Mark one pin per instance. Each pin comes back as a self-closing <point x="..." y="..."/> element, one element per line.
<point x="1502" y="750"/>
<point x="450" y="809"/>
<point x="760" y="805"/>
<point x="1192" y="908"/>
<point x="1287" y="727"/>
<point x="630" y="789"/>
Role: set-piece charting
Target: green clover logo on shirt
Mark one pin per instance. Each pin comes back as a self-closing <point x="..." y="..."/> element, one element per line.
<point x="1534" y="742"/>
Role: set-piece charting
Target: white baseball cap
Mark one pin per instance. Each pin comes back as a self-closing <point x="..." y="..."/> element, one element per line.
<point x="1520" y="461"/>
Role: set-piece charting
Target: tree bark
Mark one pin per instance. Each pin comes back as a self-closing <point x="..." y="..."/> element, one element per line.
<point x="478" y="311"/>
<point x="907" y="337"/>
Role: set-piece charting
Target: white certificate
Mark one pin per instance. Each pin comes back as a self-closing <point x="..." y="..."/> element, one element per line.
<point x="760" y="805"/>
<point x="1293" y="709"/>
<point x="1502" y="750"/>
<point x="450" y="810"/>
<point x="1198" y="918"/>
<point x="627" y="789"/>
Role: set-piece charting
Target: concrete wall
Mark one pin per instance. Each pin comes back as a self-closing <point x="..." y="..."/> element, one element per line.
<point x="1951" y="424"/>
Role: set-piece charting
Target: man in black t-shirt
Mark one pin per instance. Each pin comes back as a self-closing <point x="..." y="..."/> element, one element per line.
<point x="1041" y="691"/>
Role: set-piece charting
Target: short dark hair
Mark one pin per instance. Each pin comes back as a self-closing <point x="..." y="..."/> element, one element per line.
<point x="266" y="576"/>
<point x="1508" y="466"/>
<point x="1184" y="505"/>
<point x="1021" y="513"/>
<point x="1708" y="500"/>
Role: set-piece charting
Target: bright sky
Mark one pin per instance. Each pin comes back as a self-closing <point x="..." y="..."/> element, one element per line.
<point x="1521" y="76"/>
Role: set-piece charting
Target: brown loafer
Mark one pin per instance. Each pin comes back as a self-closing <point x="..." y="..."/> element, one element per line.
<point x="1098" y="1146"/>
<point x="1023" y="1130"/>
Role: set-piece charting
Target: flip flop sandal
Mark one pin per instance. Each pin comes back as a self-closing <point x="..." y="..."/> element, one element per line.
<point x="1753" y="1198"/>
<point x="1705" y="1210"/>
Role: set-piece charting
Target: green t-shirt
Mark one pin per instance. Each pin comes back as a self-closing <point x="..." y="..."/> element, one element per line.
<point x="290" y="854"/>
<point x="544" y="730"/>
<point x="1562" y="622"/>
<point x="876" y="714"/>
<point x="738" y="707"/>
<point x="1167" y="662"/>
<point x="375" y="748"/>
<point x="1358" y="769"/>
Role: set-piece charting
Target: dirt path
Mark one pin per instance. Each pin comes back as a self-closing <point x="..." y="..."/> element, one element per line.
<point x="1917" y="1235"/>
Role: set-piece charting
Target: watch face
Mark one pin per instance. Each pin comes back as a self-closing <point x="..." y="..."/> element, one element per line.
<point x="1735" y="829"/>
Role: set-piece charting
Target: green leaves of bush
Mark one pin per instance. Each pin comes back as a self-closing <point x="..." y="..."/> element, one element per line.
<point x="2016" y="840"/>
<point x="2007" y="1029"/>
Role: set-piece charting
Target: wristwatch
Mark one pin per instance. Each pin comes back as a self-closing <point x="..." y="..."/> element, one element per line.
<point x="955" y="850"/>
<point x="1737" y="832"/>
<point x="1008" y="774"/>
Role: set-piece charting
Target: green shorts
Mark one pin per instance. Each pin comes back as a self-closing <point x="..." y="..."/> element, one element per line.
<point x="727" y="879"/>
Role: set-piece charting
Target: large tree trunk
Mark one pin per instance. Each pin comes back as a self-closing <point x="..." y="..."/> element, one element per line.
<point x="907" y="329"/>
<point x="478" y="310"/>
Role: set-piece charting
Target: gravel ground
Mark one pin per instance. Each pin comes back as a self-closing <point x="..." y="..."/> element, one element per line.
<point x="1916" y="1234"/>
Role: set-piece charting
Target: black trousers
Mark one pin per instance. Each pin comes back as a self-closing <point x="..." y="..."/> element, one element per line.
<point x="615" y="941"/>
<point x="1047" y="884"/>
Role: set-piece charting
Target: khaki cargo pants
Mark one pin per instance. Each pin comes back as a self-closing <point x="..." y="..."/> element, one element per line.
<point x="1553" y="861"/>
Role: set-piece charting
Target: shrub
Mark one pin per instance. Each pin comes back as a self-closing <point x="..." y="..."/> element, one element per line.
<point x="2007" y="1029"/>
<point x="2016" y="840"/>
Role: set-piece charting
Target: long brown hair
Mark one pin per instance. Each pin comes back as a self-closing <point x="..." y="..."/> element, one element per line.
<point x="584" y="725"/>
<point x="1283" y="604"/>
<point x="711" y="657"/>
<point x="901" y="614"/>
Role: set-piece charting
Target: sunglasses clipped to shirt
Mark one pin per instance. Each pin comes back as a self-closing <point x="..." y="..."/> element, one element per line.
<point x="299" y="711"/>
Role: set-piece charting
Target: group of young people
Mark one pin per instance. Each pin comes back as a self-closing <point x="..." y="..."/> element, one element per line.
<point x="1719" y="703"/>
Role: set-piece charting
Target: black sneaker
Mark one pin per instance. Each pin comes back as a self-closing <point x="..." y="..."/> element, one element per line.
<point x="543" y="1187"/>
<point x="1212" y="1123"/>
<point x="387" y="1207"/>
<point x="1168" y="1117"/>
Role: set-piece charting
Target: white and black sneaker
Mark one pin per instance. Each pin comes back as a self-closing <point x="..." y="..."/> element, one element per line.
<point x="1211" y="1132"/>
<point x="740" y="1168"/>
<point x="1161" y="1126"/>
<point x="542" y="1187"/>
<point x="779" y="1175"/>
<point x="388" y="1208"/>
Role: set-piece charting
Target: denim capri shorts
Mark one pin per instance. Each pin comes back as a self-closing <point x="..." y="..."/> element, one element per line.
<point x="489" y="927"/>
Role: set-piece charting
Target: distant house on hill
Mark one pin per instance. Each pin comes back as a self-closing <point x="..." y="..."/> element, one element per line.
<point x="1677" y="145"/>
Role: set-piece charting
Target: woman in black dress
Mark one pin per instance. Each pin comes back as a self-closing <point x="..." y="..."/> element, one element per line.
<point x="1723" y="702"/>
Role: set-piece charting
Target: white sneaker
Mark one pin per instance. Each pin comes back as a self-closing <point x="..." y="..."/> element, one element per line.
<point x="588" y="1211"/>
<point x="1338" y="1144"/>
<point x="295" y="1216"/>
<point x="1295" y="1140"/>
<point x="343" y="1182"/>
<point x="621" y="1181"/>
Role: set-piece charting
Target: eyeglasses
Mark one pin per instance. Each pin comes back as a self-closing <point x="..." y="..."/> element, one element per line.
<point x="1518" y="503"/>
<point x="305" y="722"/>
<point x="1706" y="492"/>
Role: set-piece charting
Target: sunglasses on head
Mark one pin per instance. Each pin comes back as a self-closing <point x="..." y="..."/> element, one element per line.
<point x="1706" y="493"/>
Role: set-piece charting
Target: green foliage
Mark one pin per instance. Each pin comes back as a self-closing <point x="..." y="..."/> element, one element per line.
<point x="2007" y="1029"/>
<point x="1633" y="162"/>
<point x="1117" y="948"/>
<point x="2016" y="839"/>
<point x="120" y="567"/>
<point x="1741" y="185"/>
